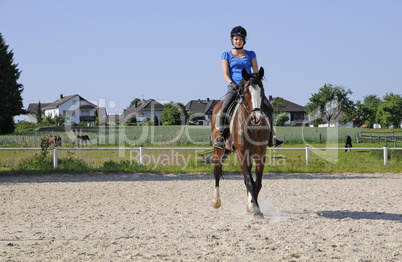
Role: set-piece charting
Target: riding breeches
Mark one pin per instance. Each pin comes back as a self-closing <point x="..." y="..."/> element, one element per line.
<point x="230" y="96"/>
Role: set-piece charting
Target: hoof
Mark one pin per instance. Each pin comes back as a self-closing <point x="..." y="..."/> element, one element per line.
<point x="216" y="198"/>
<point x="216" y="203"/>
<point x="250" y="207"/>
<point x="258" y="216"/>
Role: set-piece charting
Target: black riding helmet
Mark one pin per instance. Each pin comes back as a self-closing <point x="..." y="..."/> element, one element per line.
<point x="239" y="30"/>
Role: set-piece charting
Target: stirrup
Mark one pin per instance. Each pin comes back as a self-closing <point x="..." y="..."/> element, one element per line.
<point x="220" y="142"/>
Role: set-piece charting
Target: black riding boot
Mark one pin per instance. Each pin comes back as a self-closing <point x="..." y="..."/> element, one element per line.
<point x="223" y="132"/>
<point x="269" y="111"/>
<point x="223" y="119"/>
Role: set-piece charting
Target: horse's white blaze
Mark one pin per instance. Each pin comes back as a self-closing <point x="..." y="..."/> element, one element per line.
<point x="216" y="198"/>
<point x="255" y="92"/>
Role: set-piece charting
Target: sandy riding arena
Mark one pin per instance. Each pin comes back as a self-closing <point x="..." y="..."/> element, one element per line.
<point x="162" y="217"/>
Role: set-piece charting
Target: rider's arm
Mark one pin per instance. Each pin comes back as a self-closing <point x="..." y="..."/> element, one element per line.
<point x="225" y="67"/>
<point x="254" y="65"/>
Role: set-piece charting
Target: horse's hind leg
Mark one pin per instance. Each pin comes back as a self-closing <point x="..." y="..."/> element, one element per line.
<point x="218" y="159"/>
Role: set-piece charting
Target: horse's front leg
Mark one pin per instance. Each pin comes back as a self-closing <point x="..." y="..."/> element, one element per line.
<point x="259" y="171"/>
<point x="246" y="165"/>
<point x="216" y="198"/>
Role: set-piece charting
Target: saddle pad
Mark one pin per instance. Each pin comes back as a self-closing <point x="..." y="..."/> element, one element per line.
<point x="218" y="124"/>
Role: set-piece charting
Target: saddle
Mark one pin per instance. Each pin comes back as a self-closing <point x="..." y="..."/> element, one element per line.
<point x="230" y="113"/>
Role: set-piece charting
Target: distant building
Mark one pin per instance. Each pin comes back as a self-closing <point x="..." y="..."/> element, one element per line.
<point x="76" y="108"/>
<point x="32" y="109"/>
<point x="296" y="113"/>
<point x="335" y="122"/>
<point x="143" y="109"/>
<point x="102" y="114"/>
<point x="201" y="110"/>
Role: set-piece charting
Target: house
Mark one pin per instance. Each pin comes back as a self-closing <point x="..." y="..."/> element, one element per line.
<point x="113" y="119"/>
<point x="76" y="108"/>
<point x="143" y="109"/>
<point x="31" y="111"/>
<point x="296" y="113"/>
<point x="202" y="111"/>
<point x="335" y="122"/>
<point x="102" y="114"/>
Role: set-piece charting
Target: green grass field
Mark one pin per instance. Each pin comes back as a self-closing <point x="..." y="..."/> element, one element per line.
<point x="190" y="160"/>
<point x="130" y="138"/>
<point x="170" y="135"/>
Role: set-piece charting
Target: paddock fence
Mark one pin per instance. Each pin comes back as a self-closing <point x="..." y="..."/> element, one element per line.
<point x="142" y="151"/>
<point x="378" y="137"/>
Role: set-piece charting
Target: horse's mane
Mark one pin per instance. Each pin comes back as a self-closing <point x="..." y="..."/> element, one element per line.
<point x="253" y="80"/>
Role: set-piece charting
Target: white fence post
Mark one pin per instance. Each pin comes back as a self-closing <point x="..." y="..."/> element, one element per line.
<point x="385" y="155"/>
<point x="55" y="157"/>
<point x="307" y="155"/>
<point x="141" y="155"/>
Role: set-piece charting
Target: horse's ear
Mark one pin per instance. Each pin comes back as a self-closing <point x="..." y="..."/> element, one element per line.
<point x="261" y="72"/>
<point x="244" y="74"/>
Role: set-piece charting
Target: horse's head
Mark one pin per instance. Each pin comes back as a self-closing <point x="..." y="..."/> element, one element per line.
<point x="253" y="94"/>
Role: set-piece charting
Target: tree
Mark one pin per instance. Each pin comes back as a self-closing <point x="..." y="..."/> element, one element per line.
<point x="389" y="112"/>
<point x="39" y="113"/>
<point x="330" y="101"/>
<point x="174" y="114"/>
<point x="277" y="104"/>
<point x="24" y="126"/>
<point x="132" y="121"/>
<point x="281" y="119"/>
<point x="365" y="113"/>
<point x="156" y="121"/>
<point x="56" y="121"/>
<point x="135" y="100"/>
<point x="10" y="89"/>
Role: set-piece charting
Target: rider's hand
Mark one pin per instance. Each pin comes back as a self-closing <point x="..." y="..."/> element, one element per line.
<point x="234" y="85"/>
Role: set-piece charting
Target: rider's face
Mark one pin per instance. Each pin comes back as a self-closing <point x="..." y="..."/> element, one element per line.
<point x="238" y="41"/>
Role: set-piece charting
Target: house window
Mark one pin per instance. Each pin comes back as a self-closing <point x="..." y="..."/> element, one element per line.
<point x="297" y="116"/>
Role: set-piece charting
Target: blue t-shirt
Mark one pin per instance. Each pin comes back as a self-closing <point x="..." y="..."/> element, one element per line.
<point x="237" y="64"/>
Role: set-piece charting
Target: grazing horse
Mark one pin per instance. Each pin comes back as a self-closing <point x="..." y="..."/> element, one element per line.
<point x="82" y="139"/>
<point x="250" y="134"/>
<point x="348" y="143"/>
<point x="51" y="139"/>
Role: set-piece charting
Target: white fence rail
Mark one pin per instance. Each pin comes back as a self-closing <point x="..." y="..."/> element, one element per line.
<point x="142" y="150"/>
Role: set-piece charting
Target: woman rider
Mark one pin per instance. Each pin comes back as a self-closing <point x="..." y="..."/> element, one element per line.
<point x="233" y="62"/>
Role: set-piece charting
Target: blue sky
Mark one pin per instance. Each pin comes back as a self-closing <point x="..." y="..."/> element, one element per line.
<point x="171" y="50"/>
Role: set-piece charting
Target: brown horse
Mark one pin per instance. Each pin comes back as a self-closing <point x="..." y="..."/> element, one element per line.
<point x="51" y="139"/>
<point x="250" y="136"/>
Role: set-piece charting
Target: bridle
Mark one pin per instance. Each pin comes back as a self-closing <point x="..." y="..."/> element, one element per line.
<point x="244" y="102"/>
